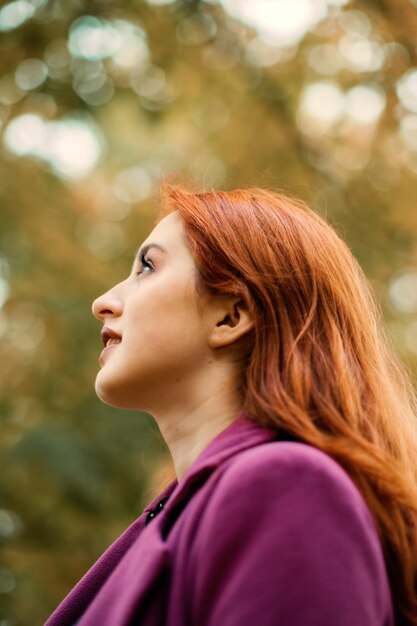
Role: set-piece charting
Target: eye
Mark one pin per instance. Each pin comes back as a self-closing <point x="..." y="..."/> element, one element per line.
<point x="147" y="267"/>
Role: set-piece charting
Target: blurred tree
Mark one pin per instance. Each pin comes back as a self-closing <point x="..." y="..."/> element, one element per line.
<point x="98" y="102"/>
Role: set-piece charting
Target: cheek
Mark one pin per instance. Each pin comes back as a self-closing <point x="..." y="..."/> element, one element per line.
<point x="167" y="331"/>
<point x="165" y="322"/>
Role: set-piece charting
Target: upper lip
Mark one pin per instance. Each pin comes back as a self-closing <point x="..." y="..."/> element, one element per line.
<point x="108" y="333"/>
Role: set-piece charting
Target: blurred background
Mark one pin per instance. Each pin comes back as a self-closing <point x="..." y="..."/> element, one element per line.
<point x="99" y="101"/>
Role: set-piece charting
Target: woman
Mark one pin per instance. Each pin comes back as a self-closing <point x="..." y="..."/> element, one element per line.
<point x="248" y="331"/>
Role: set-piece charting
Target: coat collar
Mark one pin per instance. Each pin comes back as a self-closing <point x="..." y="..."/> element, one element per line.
<point x="242" y="434"/>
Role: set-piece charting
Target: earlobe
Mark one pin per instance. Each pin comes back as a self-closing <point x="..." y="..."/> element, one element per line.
<point x="235" y="323"/>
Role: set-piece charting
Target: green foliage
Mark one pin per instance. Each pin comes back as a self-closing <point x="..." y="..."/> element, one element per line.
<point x="99" y="101"/>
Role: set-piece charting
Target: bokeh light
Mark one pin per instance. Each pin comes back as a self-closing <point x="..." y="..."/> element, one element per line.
<point x="58" y="59"/>
<point x="196" y="30"/>
<point x="322" y="106"/>
<point x="10" y="92"/>
<point x="365" y="103"/>
<point x="408" y="131"/>
<point x="10" y="524"/>
<point x="410" y="336"/>
<point x="71" y="146"/>
<point x="133" y="184"/>
<point x="93" y="38"/>
<point x="325" y="59"/>
<point x="15" y="14"/>
<point x="96" y="39"/>
<point x="360" y="54"/>
<point x="4" y="291"/>
<point x="403" y="291"/>
<point x="30" y="74"/>
<point x="407" y="90"/>
<point x="282" y="22"/>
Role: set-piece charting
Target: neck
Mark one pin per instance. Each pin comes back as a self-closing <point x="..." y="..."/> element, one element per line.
<point x="189" y="427"/>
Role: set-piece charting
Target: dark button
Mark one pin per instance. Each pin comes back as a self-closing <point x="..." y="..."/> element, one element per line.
<point x="154" y="512"/>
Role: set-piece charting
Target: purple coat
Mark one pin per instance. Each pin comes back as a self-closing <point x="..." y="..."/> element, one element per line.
<point x="257" y="533"/>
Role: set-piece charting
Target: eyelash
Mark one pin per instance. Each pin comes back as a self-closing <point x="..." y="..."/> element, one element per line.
<point x="144" y="263"/>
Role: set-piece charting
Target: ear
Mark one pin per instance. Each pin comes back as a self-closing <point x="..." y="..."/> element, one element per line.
<point x="233" y="322"/>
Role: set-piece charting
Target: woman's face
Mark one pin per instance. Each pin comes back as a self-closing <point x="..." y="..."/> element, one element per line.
<point x="163" y="331"/>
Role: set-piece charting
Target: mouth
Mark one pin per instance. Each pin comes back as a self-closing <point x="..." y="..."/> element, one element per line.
<point x="110" y="337"/>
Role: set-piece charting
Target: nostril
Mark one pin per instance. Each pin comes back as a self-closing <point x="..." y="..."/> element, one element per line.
<point x="107" y="305"/>
<point x="99" y="310"/>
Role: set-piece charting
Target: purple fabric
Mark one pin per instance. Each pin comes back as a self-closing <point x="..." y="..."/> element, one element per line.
<point x="258" y="532"/>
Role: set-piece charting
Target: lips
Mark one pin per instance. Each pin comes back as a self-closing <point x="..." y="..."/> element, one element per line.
<point x="110" y="336"/>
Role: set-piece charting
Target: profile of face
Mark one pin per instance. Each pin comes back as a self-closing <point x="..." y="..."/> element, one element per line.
<point x="155" y="312"/>
<point x="172" y="341"/>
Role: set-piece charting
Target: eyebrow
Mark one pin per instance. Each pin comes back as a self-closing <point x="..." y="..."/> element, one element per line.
<point x="143" y="251"/>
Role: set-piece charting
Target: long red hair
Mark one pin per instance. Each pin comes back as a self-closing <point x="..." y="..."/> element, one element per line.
<point x="317" y="365"/>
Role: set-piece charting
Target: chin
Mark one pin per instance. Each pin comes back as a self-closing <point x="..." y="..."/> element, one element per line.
<point x="110" y="394"/>
<point x="116" y="394"/>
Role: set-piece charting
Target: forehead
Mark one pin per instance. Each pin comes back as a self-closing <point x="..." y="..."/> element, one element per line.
<point x="168" y="232"/>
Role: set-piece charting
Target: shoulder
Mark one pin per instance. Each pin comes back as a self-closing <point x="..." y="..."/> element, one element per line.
<point x="286" y="466"/>
<point x="290" y="513"/>
<point x="290" y="481"/>
<point x="285" y="455"/>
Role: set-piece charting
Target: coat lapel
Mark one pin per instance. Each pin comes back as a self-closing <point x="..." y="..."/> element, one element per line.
<point x="141" y="575"/>
<point x="83" y="594"/>
<point x="126" y="578"/>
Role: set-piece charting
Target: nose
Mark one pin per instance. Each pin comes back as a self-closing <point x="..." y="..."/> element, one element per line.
<point x="107" y="305"/>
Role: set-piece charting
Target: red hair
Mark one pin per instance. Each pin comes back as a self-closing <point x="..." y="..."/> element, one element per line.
<point x="318" y="365"/>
